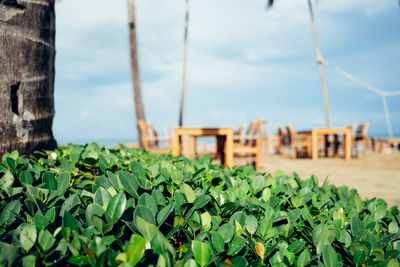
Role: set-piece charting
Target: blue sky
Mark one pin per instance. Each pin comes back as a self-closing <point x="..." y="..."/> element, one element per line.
<point x="244" y="63"/>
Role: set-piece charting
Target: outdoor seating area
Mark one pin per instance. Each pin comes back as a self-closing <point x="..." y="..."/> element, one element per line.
<point x="246" y="145"/>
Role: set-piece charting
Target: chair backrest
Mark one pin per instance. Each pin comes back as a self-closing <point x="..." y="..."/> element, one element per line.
<point x="143" y="129"/>
<point x="239" y="132"/>
<point x="361" y="132"/>
<point x="153" y="135"/>
<point x="257" y="131"/>
<point x="282" y="135"/>
<point x="169" y="136"/>
<point x="290" y="135"/>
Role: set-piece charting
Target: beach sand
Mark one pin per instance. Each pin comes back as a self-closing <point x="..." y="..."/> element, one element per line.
<point x="376" y="176"/>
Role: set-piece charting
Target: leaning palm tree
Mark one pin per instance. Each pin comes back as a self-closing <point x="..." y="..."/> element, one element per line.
<point x="27" y="53"/>
<point x="185" y="37"/>
<point x="319" y="61"/>
<point x="137" y="92"/>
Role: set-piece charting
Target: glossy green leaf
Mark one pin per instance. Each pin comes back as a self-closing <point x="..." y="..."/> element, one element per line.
<point x="29" y="261"/>
<point x="304" y="259"/>
<point x="46" y="240"/>
<point x="236" y="245"/>
<point x="129" y="182"/>
<point x="116" y="207"/>
<point x="201" y="252"/>
<point x="164" y="213"/>
<point x="63" y="182"/>
<point x="218" y="242"/>
<point x="136" y="249"/>
<point x="329" y="256"/>
<point x="28" y="236"/>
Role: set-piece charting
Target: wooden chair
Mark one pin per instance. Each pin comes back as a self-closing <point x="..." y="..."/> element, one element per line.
<point x="299" y="143"/>
<point x="151" y="140"/>
<point x="360" y="138"/>
<point x="250" y="147"/>
<point x="282" y="141"/>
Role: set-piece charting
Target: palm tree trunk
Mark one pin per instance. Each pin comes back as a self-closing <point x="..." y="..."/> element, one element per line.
<point x="137" y="92"/>
<point x="27" y="53"/>
<point x="185" y="37"/>
<point x="320" y="67"/>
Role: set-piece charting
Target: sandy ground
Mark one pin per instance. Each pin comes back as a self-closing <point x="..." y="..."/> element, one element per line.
<point x="376" y="176"/>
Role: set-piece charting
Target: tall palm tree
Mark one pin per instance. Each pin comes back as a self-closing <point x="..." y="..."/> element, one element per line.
<point x="137" y="92"/>
<point x="185" y="37"/>
<point x="319" y="61"/>
<point x="27" y="53"/>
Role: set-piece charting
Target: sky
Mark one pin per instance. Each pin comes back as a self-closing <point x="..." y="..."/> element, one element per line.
<point x="244" y="63"/>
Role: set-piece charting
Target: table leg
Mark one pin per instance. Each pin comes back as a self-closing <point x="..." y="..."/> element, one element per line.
<point x="347" y="149"/>
<point x="229" y="150"/>
<point x="314" y="144"/>
<point x="177" y="144"/>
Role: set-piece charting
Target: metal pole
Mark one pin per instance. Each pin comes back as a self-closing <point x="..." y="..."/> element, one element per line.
<point x="184" y="64"/>
<point x="387" y="115"/>
<point x="320" y="67"/>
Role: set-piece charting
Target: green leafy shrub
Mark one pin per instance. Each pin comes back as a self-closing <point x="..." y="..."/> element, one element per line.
<point x="104" y="207"/>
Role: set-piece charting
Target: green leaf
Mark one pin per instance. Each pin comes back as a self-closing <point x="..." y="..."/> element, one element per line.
<point x="50" y="181"/>
<point x="265" y="226"/>
<point x="148" y="201"/>
<point x="176" y="176"/>
<point x="145" y="213"/>
<point x="129" y="182"/>
<point x="339" y="214"/>
<point x="359" y="257"/>
<point x="226" y="231"/>
<point x="25" y="177"/>
<point x="201" y="201"/>
<point x="357" y="227"/>
<point x="137" y="169"/>
<point x="190" y="263"/>
<point x="393" y="227"/>
<point x="29" y="261"/>
<point x="236" y="245"/>
<point x="116" y="207"/>
<point x="258" y="183"/>
<point x="345" y="238"/>
<point x="164" y="213"/>
<point x="40" y="220"/>
<point x="393" y="263"/>
<point x="189" y="193"/>
<point x="92" y="210"/>
<point x="9" y="213"/>
<point x="329" y="256"/>
<point x="7" y="181"/>
<point x="78" y="260"/>
<point x="201" y="252"/>
<point x="63" y="182"/>
<point x="149" y="231"/>
<point x="69" y="221"/>
<point x="69" y="203"/>
<point x="102" y="197"/>
<point x="28" y="236"/>
<point x="304" y="259"/>
<point x="136" y="249"/>
<point x="46" y="240"/>
<point x="218" y="241"/>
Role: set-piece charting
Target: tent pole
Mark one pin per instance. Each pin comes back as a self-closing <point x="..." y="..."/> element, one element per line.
<point x="184" y="64"/>
<point x="320" y="67"/>
<point x="387" y="115"/>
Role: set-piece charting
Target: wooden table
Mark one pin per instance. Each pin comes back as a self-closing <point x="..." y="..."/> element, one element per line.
<point x="331" y="131"/>
<point x="224" y="134"/>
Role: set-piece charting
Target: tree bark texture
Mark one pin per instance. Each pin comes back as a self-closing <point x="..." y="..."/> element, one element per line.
<point x="27" y="53"/>
<point x="137" y="92"/>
